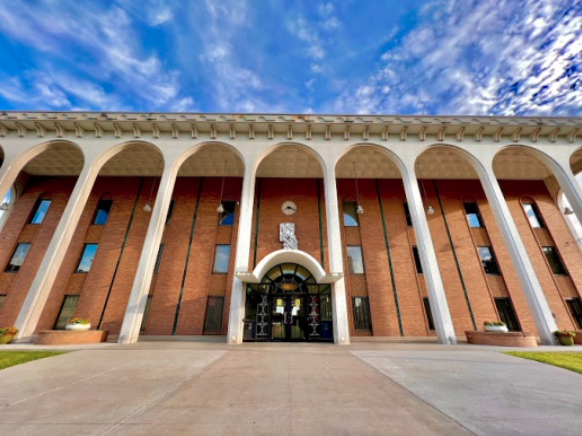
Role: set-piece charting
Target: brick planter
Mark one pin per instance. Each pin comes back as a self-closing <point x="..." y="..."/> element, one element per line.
<point x="510" y="339"/>
<point x="578" y="338"/>
<point x="61" y="337"/>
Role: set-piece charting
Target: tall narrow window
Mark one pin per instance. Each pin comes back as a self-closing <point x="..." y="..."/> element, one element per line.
<point x="227" y="217"/>
<point x="67" y="311"/>
<point x="102" y="212"/>
<point x="473" y="215"/>
<point x="428" y="312"/>
<point x="40" y="210"/>
<point x="213" y="320"/>
<point x="533" y="215"/>
<point x="159" y="258"/>
<point x="355" y="259"/>
<point x="221" y="259"/>
<point x="488" y="260"/>
<point x="362" y="319"/>
<point x="146" y="315"/>
<point x="86" y="259"/>
<point x="417" y="260"/>
<point x="507" y="314"/>
<point x="575" y="306"/>
<point x="554" y="260"/>
<point x="350" y="215"/>
<point x="407" y="214"/>
<point x="17" y="258"/>
<point x="2" y="300"/>
<point x="170" y="211"/>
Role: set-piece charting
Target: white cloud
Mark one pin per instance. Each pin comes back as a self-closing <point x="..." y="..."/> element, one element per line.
<point x="480" y="57"/>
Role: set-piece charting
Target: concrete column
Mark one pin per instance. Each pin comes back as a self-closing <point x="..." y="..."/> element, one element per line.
<point x="530" y="284"/>
<point x="243" y="251"/>
<point x="567" y="181"/>
<point x="341" y="327"/>
<point x="141" y="285"/>
<point x="439" y="306"/>
<point x="47" y="272"/>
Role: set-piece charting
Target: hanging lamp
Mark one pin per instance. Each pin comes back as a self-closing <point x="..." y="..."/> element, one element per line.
<point x="359" y="208"/>
<point x="148" y="207"/>
<point x="220" y="208"/>
<point x="429" y="208"/>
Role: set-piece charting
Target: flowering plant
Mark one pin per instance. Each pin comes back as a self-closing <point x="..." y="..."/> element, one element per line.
<point x="494" y="323"/>
<point x="8" y="331"/>
<point x="565" y="333"/>
<point x="83" y="321"/>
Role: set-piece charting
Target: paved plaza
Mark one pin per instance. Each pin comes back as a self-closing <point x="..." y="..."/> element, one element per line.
<point x="191" y="388"/>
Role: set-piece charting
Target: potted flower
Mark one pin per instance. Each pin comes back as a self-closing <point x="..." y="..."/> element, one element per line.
<point x="495" y="326"/>
<point x="565" y="337"/>
<point x="7" y="334"/>
<point x="78" y="325"/>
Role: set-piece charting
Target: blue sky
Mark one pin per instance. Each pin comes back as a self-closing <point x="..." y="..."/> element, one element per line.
<point x="504" y="57"/>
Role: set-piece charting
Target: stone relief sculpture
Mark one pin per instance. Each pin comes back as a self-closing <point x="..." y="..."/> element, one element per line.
<point x="287" y="236"/>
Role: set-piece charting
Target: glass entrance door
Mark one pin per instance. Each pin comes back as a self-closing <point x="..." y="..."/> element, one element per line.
<point x="288" y="318"/>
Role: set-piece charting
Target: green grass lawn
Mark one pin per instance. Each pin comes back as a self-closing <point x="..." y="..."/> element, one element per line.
<point x="12" y="358"/>
<point x="571" y="361"/>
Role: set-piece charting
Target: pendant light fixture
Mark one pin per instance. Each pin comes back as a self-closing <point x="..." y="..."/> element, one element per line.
<point x="568" y="211"/>
<point x="220" y="208"/>
<point x="429" y="208"/>
<point x="5" y="206"/>
<point x="359" y="208"/>
<point x="148" y="207"/>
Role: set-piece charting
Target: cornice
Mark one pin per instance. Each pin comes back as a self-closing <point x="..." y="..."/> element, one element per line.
<point x="290" y="126"/>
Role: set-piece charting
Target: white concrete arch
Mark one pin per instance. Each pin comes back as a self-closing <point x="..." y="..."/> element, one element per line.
<point x="533" y="291"/>
<point x="385" y="151"/>
<point x="289" y="256"/>
<point x="576" y="164"/>
<point x="101" y="160"/>
<point x="191" y="152"/>
<point x="295" y="144"/>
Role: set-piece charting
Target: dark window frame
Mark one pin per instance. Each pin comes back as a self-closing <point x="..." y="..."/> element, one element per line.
<point x="227" y="218"/>
<point x="170" y="213"/>
<point x="216" y="249"/>
<point x="81" y="257"/>
<point x="575" y="308"/>
<point x="407" y="216"/>
<point x="351" y="206"/>
<point x="159" y="257"/>
<point x="60" y="313"/>
<point x="428" y="313"/>
<point x="15" y="268"/>
<point x="36" y="208"/>
<point x="146" y="314"/>
<point x="215" y="318"/>
<point x="556" y="263"/>
<point x="493" y="268"/>
<point x="416" y="257"/>
<point x="364" y="323"/>
<point x="476" y="213"/>
<point x="507" y="313"/>
<point x="537" y="215"/>
<point x="351" y="270"/>
<point x="98" y="209"/>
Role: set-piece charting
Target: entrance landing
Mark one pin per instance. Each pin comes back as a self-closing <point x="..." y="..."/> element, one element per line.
<point x="211" y="388"/>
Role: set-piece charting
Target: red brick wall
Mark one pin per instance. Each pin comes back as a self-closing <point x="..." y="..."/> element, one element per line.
<point x="200" y="281"/>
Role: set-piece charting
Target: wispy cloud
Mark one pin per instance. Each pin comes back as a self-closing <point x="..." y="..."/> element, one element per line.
<point x="480" y="57"/>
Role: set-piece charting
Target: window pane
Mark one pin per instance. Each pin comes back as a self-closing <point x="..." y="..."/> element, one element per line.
<point x="170" y="211"/>
<point x="533" y="215"/>
<point x="507" y="314"/>
<point x="473" y="216"/>
<point x="87" y="258"/>
<point x="227" y="217"/>
<point x="213" y="321"/>
<point x="146" y="314"/>
<point x="159" y="258"/>
<point x="222" y="258"/>
<point x="428" y="312"/>
<point x="407" y="214"/>
<point x="575" y="306"/>
<point x="554" y="260"/>
<point x="350" y="215"/>
<point x="40" y="212"/>
<point x="362" y="314"/>
<point x="18" y="258"/>
<point x="67" y="311"/>
<point x="355" y="260"/>
<point x="2" y="300"/>
<point x="488" y="260"/>
<point x="417" y="260"/>
<point x="102" y="213"/>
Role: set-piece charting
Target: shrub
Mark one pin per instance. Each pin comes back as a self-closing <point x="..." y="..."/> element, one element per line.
<point x="494" y="323"/>
<point x="83" y="321"/>
<point x="8" y="330"/>
<point x="565" y="333"/>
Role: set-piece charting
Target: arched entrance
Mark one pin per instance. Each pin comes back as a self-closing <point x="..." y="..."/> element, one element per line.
<point x="288" y="305"/>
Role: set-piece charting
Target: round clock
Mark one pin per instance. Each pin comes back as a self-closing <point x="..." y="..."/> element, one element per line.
<point x="288" y="208"/>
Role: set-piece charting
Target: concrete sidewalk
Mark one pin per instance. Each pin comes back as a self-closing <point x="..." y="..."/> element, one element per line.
<point x="195" y="388"/>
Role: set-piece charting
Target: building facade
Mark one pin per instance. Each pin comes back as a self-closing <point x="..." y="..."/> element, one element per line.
<point x="289" y="227"/>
